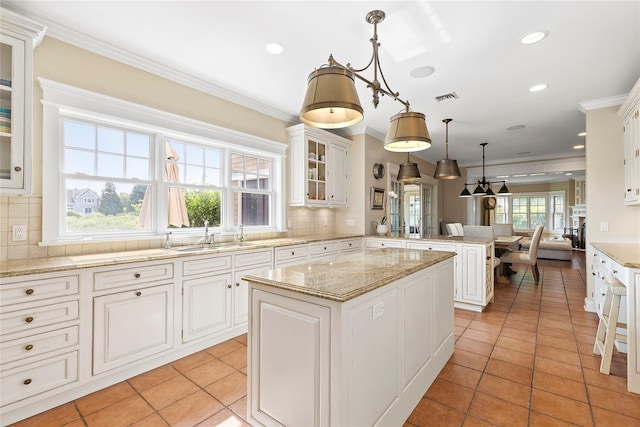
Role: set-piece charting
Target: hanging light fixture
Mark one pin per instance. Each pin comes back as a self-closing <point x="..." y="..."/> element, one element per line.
<point x="408" y="171"/>
<point x="331" y="100"/>
<point x="447" y="168"/>
<point x="483" y="186"/>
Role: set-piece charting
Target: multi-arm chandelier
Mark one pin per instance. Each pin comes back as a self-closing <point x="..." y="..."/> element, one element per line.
<point x="332" y="102"/>
<point x="484" y="186"/>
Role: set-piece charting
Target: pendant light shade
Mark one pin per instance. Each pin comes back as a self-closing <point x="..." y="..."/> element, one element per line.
<point x="447" y="168"/>
<point x="479" y="191"/>
<point x="504" y="191"/>
<point x="331" y="100"/>
<point x="465" y="192"/>
<point x="489" y="192"/>
<point x="407" y="132"/>
<point x="408" y="171"/>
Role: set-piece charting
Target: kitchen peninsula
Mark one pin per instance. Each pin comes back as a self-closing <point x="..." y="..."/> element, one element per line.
<point x="353" y="341"/>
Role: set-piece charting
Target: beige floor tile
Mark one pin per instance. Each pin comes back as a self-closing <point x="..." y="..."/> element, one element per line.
<point x="121" y="413"/>
<point x="168" y="392"/>
<point x="104" y="398"/>
<point x="229" y="389"/>
<point x="191" y="410"/>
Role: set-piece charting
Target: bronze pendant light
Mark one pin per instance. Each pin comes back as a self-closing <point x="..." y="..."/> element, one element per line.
<point x="447" y="168"/>
<point x="408" y="171"/>
<point x="331" y="100"/>
<point x="484" y="186"/>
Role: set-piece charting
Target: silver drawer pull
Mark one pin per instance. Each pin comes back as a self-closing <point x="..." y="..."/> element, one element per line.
<point x="27" y="381"/>
<point x="29" y="291"/>
<point x="138" y="293"/>
<point x="28" y="347"/>
<point x="29" y="319"/>
<point x="137" y="275"/>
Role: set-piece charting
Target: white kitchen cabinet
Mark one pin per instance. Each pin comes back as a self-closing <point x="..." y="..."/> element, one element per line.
<point x="323" y="250"/>
<point x="629" y="112"/>
<point x="383" y="243"/>
<point x="366" y="361"/>
<point x="318" y="165"/>
<point x="131" y="325"/>
<point x="633" y="332"/>
<point x="18" y="37"/>
<point x="206" y="296"/>
<point x="39" y="335"/>
<point x="473" y="267"/>
<point x="206" y="305"/>
<point x="246" y="263"/>
<point x="348" y="246"/>
<point x="291" y="255"/>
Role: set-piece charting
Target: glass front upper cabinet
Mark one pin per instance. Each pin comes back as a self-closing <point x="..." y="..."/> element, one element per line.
<point x="18" y="37"/>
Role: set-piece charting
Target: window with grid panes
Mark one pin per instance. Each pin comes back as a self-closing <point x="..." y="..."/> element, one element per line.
<point x="251" y="190"/>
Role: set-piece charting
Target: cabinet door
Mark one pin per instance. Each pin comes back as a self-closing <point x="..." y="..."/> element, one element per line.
<point x="317" y="188"/>
<point x="12" y="97"/>
<point x="473" y="273"/>
<point x="632" y="159"/>
<point x="129" y="326"/>
<point x="241" y="293"/>
<point x="339" y="167"/>
<point x="206" y="306"/>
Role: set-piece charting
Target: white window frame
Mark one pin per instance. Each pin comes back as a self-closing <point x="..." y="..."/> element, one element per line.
<point x="60" y="100"/>
<point x="548" y="209"/>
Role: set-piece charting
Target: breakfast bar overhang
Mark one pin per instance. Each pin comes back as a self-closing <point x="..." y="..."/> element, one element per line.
<point x="351" y="342"/>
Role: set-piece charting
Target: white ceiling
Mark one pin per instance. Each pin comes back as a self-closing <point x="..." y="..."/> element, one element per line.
<point x="592" y="52"/>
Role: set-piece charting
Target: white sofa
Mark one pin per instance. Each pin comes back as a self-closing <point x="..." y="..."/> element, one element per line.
<point x="558" y="249"/>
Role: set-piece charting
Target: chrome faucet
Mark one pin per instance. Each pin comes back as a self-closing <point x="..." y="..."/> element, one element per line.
<point x="208" y="239"/>
<point x="241" y="235"/>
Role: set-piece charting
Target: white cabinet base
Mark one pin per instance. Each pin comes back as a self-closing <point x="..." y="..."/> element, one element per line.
<point x="367" y="361"/>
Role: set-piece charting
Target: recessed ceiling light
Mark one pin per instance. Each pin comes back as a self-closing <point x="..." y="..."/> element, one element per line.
<point x="582" y="134"/>
<point x="422" y="72"/>
<point x="274" y="48"/>
<point x="534" y="37"/>
<point x="538" y="88"/>
<point x="537" y="174"/>
<point x="519" y="175"/>
<point x="502" y="176"/>
<point x="578" y="147"/>
<point x="568" y="174"/>
<point x="516" y="127"/>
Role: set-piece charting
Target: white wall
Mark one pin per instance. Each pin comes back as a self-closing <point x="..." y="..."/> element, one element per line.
<point x="605" y="186"/>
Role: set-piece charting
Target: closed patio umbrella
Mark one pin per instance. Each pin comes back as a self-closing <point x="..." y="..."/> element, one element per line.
<point x="176" y="207"/>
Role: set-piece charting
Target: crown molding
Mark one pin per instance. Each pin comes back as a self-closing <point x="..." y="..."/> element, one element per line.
<point x="115" y="53"/>
<point x="631" y="101"/>
<point x="611" y="101"/>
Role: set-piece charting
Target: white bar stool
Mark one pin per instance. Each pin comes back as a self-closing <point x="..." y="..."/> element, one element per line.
<point x="607" y="328"/>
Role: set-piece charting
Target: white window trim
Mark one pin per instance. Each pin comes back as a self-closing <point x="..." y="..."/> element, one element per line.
<point x="60" y="99"/>
<point x="549" y="200"/>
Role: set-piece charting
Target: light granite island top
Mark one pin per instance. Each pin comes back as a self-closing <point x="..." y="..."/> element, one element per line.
<point x="352" y="342"/>
<point x="350" y="276"/>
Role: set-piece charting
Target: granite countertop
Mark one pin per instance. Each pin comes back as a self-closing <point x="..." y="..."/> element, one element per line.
<point x="351" y="275"/>
<point x="54" y="264"/>
<point x="625" y="254"/>
<point x="436" y="237"/>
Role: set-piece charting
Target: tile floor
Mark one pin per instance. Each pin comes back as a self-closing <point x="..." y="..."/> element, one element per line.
<point x="526" y="360"/>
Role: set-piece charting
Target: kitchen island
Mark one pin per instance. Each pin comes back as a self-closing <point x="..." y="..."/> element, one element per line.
<point x="354" y="341"/>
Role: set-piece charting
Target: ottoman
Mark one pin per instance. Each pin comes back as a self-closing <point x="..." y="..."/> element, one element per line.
<point x="558" y="249"/>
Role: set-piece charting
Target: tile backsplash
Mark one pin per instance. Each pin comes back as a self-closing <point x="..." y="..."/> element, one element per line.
<point x="27" y="210"/>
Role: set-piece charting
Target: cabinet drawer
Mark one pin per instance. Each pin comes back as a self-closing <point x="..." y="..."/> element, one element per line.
<point x="289" y="254"/>
<point x="38" y="344"/>
<point x="34" y="290"/>
<point x="206" y="265"/>
<point x="428" y="246"/>
<point x="251" y="258"/>
<point x="38" y="377"/>
<point x="131" y="276"/>
<point x="386" y="243"/>
<point x="350" y="245"/>
<point x="33" y="317"/>
<point x="323" y="248"/>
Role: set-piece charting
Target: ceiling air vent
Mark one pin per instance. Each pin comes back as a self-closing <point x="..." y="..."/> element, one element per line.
<point x="446" y="97"/>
